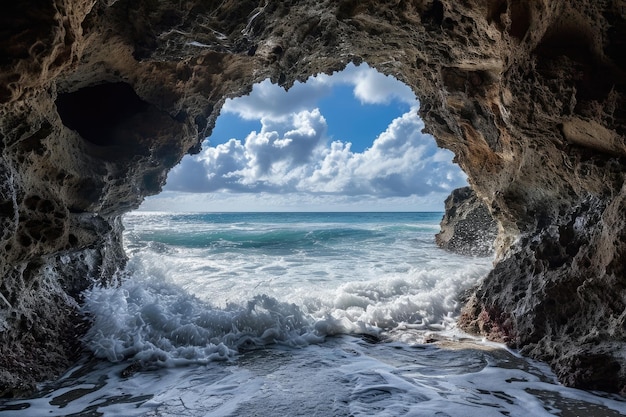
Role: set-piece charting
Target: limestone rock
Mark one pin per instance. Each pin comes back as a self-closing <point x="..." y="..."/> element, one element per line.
<point x="467" y="227"/>
<point x="529" y="95"/>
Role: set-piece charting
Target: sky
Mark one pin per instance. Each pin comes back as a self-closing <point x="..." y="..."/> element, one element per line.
<point x="350" y="141"/>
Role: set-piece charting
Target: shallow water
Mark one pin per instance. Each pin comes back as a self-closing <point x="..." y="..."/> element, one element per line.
<point x="295" y="315"/>
<point x="344" y="376"/>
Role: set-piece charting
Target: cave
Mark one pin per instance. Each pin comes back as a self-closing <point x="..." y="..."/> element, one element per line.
<point x="94" y="112"/>
<point x="531" y="107"/>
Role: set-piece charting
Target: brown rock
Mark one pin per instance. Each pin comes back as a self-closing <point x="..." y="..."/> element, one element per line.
<point x="530" y="95"/>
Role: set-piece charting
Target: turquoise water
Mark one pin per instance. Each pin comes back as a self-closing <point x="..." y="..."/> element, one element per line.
<point x="286" y="231"/>
<point x="295" y="314"/>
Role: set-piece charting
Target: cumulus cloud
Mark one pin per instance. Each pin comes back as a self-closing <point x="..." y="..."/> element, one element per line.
<point x="273" y="159"/>
<point x="271" y="101"/>
<point x="282" y="146"/>
<point x="293" y="156"/>
<point x="372" y="87"/>
<point x="401" y="162"/>
<point x="213" y="170"/>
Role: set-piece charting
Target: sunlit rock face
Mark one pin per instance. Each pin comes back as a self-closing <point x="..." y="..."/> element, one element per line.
<point x="99" y="99"/>
<point x="467" y="227"/>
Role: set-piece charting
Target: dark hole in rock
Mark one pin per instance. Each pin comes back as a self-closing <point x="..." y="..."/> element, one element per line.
<point x="24" y="240"/>
<point x="496" y="10"/>
<point x="6" y="208"/>
<point x="31" y="202"/>
<point x="520" y="18"/>
<point x="570" y="47"/>
<point x="435" y="14"/>
<point x="94" y="112"/>
<point x="33" y="143"/>
<point x="73" y="240"/>
<point x="616" y="39"/>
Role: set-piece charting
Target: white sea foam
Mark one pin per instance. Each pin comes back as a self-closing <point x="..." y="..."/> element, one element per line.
<point x="152" y="316"/>
<point x="156" y="322"/>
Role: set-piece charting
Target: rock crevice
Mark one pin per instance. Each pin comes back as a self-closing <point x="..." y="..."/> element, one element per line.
<point x="529" y="95"/>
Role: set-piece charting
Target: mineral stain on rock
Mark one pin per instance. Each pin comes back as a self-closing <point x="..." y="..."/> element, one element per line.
<point x="529" y="95"/>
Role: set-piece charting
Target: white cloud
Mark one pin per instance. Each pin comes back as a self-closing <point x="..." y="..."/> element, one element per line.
<point x="212" y="170"/>
<point x="402" y="161"/>
<point x="293" y="156"/>
<point x="273" y="159"/>
<point x="271" y="101"/>
<point x="375" y="88"/>
<point x="283" y="146"/>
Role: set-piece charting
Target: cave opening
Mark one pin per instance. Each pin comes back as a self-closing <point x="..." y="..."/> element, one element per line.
<point x="285" y="229"/>
<point x="344" y="141"/>
<point x="96" y="111"/>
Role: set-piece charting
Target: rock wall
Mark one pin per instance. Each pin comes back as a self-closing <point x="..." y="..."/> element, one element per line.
<point x="467" y="227"/>
<point x="99" y="98"/>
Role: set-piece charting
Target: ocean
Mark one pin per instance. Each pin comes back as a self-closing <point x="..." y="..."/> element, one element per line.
<point x="295" y="314"/>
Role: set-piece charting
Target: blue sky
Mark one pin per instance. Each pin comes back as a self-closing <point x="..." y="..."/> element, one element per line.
<point x="347" y="142"/>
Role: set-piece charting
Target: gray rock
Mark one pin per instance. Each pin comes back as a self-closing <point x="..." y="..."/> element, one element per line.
<point x="467" y="227"/>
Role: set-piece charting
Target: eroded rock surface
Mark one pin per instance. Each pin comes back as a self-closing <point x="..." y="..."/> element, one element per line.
<point x="467" y="227"/>
<point x="98" y="99"/>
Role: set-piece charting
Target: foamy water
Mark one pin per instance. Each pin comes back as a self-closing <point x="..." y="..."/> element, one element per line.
<point x="340" y="314"/>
